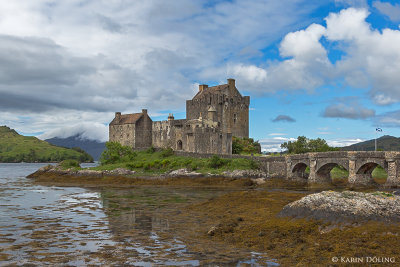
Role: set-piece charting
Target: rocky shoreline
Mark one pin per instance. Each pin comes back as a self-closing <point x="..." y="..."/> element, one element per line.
<point x="56" y="174"/>
<point x="346" y="206"/>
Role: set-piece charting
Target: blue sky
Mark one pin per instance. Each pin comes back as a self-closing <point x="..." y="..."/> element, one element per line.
<point x="328" y="69"/>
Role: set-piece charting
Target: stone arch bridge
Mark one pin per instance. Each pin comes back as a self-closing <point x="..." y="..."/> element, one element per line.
<point x="293" y="167"/>
<point x="359" y="165"/>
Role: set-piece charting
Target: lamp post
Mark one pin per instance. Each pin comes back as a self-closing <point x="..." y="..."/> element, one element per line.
<point x="376" y="136"/>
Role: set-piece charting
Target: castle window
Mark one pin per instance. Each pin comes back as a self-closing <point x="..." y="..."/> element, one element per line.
<point x="234" y="118"/>
<point x="209" y="101"/>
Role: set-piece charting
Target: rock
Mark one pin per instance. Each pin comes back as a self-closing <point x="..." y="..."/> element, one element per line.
<point x="346" y="206"/>
<point x="121" y="171"/>
<point x="46" y="168"/>
<point x="245" y="174"/>
<point x="183" y="173"/>
<point x="212" y="231"/>
<point x="258" y="181"/>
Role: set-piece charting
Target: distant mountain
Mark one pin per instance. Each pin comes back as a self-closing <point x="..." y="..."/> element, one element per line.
<point x="18" y="148"/>
<point x="94" y="148"/>
<point x="385" y="143"/>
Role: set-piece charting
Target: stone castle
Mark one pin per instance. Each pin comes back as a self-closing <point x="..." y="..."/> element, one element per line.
<point x="213" y="116"/>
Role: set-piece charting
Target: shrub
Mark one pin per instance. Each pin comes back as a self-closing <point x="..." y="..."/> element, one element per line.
<point x="167" y="152"/>
<point x="150" y="150"/>
<point x="216" y="162"/>
<point x="254" y="165"/>
<point x="165" y="162"/>
<point x="69" y="163"/>
<point x="193" y="166"/>
<point x="115" y="152"/>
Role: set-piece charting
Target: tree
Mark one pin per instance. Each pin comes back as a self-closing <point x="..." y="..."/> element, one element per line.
<point x="115" y="152"/>
<point x="304" y="145"/>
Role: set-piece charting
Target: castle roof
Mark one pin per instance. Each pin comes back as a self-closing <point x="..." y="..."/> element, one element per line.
<point x="212" y="89"/>
<point x="127" y="118"/>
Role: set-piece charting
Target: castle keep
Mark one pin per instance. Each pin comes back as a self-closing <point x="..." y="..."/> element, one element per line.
<point x="213" y="116"/>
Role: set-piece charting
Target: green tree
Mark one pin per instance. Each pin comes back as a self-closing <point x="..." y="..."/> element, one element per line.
<point x="115" y="152"/>
<point x="304" y="145"/>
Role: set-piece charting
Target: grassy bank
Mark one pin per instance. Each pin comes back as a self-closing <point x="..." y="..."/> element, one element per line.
<point x="18" y="148"/>
<point x="151" y="162"/>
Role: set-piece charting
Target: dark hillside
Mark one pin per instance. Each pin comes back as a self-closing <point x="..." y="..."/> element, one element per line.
<point x="384" y="143"/>
<point x="93" y="148"/>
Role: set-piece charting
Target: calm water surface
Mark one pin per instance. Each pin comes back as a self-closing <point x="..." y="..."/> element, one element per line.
<point x="49" y="225"/>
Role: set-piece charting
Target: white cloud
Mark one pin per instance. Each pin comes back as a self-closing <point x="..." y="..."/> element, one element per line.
<point x="274" y="144"/>
<point x="344" y="142"/>
<point x="370" y="59"/>
<point x="86" y="131"/>
<point x="100" y="56"/>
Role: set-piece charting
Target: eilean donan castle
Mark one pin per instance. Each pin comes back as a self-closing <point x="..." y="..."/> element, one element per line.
<point x="213" y="116"/>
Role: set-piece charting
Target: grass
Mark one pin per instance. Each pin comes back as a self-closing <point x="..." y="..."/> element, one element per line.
<point x="18" y="148"/>
<point x="148" y="162"/>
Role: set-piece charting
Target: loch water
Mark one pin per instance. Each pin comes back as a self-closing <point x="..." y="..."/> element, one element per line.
<point x="74" y="226"/>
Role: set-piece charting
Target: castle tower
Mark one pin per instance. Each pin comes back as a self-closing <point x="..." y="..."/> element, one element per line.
<point x="231" y="108"/>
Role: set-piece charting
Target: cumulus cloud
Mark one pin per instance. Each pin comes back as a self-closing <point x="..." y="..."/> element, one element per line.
<point x="370" y="59"/>
<point x="392" y="11"/>
<point x="284" y="118"/>
<point x="110" y="55"/>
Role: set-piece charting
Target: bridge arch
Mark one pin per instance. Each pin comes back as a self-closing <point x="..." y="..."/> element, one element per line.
<point x="299" y="171"/>
<point x="364" y="171"/>
<point x="323" y="172"/>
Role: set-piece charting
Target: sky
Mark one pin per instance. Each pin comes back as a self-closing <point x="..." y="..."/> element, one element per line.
<point x="321" y="69"/>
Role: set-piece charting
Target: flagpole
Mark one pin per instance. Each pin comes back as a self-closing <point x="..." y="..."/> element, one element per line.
<point x="376" y="134"/>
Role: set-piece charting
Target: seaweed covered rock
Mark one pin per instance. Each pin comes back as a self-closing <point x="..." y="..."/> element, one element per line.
<point x="346" y="206"/>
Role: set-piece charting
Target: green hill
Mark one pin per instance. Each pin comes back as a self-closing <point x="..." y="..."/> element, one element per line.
<point x="18" y="148"/>
<point x="384" y="143"/>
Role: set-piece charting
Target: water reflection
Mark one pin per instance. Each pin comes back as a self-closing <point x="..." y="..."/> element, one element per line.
<point x="75" y="226"/>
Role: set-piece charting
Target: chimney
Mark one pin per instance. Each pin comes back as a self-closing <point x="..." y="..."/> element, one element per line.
<point x="118" y="116"/>
<point x="144" y="111"/>
<point x="171" y="117"/>
<point x="231" y="83"/>
<point x="202" y="87"/>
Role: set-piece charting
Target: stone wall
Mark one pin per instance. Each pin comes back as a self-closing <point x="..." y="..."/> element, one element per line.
<point x="123" y="133"/>
<point x="274" y="167"/>
<point x="143" y="132"/>
<point x="167" y="134"/>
